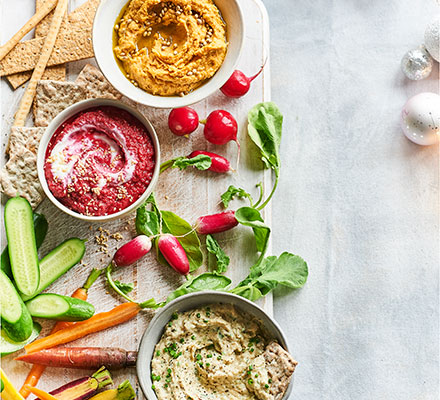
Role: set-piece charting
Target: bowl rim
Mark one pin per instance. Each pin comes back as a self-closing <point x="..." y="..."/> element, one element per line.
<point x="217" y="297"/>
<point x="182" y="101"/>
<point x="73" y="110"/>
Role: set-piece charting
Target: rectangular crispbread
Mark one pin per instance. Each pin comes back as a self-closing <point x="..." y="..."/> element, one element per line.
<point x="46" y="51"/>
<point x="52" y="97"/>
<point x="19" y="176"/>
<point x="95" y="83"/>
<point x="56" y="73"/>
<point x="73" y="43"/>
<point x="22" y="136"/>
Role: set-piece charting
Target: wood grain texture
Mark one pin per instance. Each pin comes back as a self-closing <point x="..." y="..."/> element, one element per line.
<point x="189" y="193"/>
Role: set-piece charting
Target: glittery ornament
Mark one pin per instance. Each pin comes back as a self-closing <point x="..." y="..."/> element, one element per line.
<point x="421" y="118"/>
<point x="432" y="38"/>
<point x="417" y="64"/>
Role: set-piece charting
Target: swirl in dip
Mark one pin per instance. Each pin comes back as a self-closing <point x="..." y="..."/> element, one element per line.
<point x="99" y="161"/>
<point x="219" y="353"/>
<point x="170" y="48"/>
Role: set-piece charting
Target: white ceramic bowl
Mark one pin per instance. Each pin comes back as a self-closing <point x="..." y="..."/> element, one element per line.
<point x="65" y="115"/>
<point x="105" y="19"/>
<point x="188" y="302"/>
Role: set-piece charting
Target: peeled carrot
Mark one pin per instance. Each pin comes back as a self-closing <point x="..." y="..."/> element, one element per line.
<point x="82" y="357"/>
<point x="118" y="315"/>
<point x="36" y="371"/>
<point x="40" y="393"/>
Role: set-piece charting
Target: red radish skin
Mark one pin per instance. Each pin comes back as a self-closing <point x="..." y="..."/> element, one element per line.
<point x="238" y="84"/>
<point x="82" y="357"/>
<point x="174" y="253"/>
<point x="132" y="251"/>
<point x="219" y="164"/>
<point x="183" y="121"/>
<point x="220" y="127"/>
<point x="216" y="223"/>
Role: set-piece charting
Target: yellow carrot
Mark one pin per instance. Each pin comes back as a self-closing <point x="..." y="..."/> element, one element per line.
<point x="40" y="393"/>
<point x="9" y="392"/>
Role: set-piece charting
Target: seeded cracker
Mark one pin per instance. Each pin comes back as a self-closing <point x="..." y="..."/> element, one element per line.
<point x="49" y="42"/>
<point x="24" y="137"/>
<point x="96" y="84"/>
<point x="72" y="44"/>
<point x="19" y="177"/>
<point x="52" y="97"/>
<point x="27" y="27"/>
<point x="57" y="72"/>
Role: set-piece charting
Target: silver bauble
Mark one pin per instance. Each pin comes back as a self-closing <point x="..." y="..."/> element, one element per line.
<point x="432" y="38"/>
<point x="417" y="64"/>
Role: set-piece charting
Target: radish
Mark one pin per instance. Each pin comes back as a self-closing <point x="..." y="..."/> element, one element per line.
<point x="183" y="121"/>
<point x="218" y="163"/>
<point x="238" y="84"/>
<point x="216" y="223"/>
<point x="174" y="253"/>
<point x="132" y="251"/>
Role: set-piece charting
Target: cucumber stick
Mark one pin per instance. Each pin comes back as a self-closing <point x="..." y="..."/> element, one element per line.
<point x="58" y="262"/>
<point x="8" y="346"/>
<point x="22" y="246"/>
<point x="15" y="317"/>
<point x="40" y="228"/>
<point x="60" y="308"/>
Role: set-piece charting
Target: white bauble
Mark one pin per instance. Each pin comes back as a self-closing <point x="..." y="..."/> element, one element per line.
<point x="432" y="38"/>
<point x="421" y="118"/>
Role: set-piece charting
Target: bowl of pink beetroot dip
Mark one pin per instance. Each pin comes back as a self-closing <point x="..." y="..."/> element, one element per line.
<point x="98" y="160"/>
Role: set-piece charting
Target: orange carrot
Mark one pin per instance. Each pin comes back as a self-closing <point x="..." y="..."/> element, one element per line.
<point x="36" y="371"/>
<point x="118" y="315"/>
<point x="40" y="393"/>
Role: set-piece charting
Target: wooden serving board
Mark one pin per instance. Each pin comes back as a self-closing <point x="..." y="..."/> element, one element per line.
<point x="189" y="194"/>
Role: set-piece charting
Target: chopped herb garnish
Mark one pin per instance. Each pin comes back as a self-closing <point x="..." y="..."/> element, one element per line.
<point x="168" y="380"/>
<point x="198" y="357"/>
<point x="250" y="381"/>
<point x="219" y="357"/>
<point x="153" y="387"/>
<point x="269" y="380"/>
<point x="251" y="350"/>
<point x="266" y="386"/>
<point x="205" y="321"/>
<point x="182" y="340"/>
<point x="208" y="314"/>
<point x="207" y="365"/>
<point x="198" y="315"/>
<point x="170" y="323"/>
<point x="158" y="353"/>
<point x="256" y="375"/>
<point x="193" y="337"/>
<point x="175" y="316"/>
<point x="209" y="356"/>
<point x="166" y="385"/>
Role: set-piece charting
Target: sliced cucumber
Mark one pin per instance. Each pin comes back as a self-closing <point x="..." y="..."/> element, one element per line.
<point x="22" y="246"/>
<point x="58" y="262"/>
<point x="8" y="346"/>
<point x="40" y="228"/>
<point x="15" y="317"/>
<point x="60" y="308"/>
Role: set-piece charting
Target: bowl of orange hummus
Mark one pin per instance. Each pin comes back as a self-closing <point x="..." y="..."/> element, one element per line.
<point x="168" y="54"/>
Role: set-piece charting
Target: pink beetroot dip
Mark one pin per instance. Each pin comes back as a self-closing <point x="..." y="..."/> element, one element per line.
<point x="99" y="161"/>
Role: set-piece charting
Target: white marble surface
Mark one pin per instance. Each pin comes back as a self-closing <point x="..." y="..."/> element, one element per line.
<point x="357" y="200"/>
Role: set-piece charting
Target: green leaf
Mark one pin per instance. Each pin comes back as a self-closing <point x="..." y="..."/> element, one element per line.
<point x="147" y="222"/>
<point x="265" y="123"/>
<point x="232" y="192"/>
<point x="205" y="281"/>
<point x="214" y="248"/>
<point x="249" y="292"/>
<point x="288" y="270"/>
<point x="124" y="287"/>
<point x="248" y="216"/>
<point x="201" y="162"/>
<point x="190" y="242"/>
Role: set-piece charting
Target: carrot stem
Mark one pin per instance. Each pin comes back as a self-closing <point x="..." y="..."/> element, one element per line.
<point x="94" y="275"/>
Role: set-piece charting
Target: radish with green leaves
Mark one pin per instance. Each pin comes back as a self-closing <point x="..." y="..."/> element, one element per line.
<point x="219" y="163"/>
<point x="174" y="253"/>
